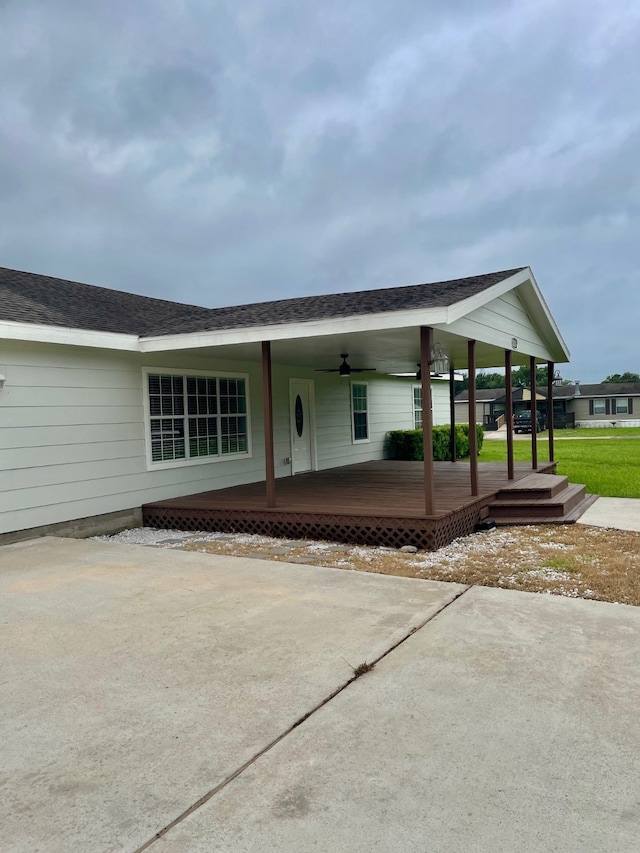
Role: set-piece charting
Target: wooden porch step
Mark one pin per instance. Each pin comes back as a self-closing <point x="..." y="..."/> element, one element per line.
<point x="569" y="518"/>
<point x="534" y="486"/>
<point x="533" y="510"/>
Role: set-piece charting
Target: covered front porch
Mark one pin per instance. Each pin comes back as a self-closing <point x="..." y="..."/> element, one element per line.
<point x="371" y="503"/>
<point x="327" y="421"/>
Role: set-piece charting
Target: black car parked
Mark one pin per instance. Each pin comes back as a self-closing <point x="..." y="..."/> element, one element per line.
<point x="522" y="422"/>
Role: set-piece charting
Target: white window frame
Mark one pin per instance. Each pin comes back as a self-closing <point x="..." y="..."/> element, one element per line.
<point x="624" y="401"/>
<point x="359" y="411"/>
<point x="597" y="403"/>
<point x="196" y="460"/>
<point x="416" y="411"/>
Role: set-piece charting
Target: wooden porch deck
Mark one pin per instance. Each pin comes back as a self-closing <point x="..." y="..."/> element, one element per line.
<point x="376" y="503"/>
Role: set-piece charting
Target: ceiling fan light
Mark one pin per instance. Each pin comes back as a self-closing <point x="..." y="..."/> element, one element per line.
<point x="345" y="370"/>
<point x="439" y="360"/>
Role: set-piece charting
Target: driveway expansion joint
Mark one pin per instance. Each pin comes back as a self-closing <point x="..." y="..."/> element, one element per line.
<point x="359" y="671"/>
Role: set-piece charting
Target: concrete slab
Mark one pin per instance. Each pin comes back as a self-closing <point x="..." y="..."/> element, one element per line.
<point x="620" y="513"/>
<point x="134" y="680"/>
<point x="508" y="723"/>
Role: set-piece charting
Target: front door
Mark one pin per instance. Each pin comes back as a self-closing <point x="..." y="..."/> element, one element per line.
<point x="302" y="432"/>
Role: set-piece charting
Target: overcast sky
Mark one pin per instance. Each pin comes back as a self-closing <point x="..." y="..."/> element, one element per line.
<point x="226" y="152"/>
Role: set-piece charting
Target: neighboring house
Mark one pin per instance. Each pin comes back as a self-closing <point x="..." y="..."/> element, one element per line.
<point x="491" y="404"/>
<point x="602" y="405"/>
<point x="487" y="406"/>
<point x="111" y="400"/>
<point x="605" y="404"/>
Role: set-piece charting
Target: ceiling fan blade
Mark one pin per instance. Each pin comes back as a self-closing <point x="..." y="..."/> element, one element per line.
<point x="345" y="369"/>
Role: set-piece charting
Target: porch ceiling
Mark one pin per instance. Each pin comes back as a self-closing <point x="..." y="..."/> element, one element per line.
<point x="387" y="350"/>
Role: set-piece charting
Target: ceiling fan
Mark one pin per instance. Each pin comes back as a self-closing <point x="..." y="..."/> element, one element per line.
<point x="345" y="369"/>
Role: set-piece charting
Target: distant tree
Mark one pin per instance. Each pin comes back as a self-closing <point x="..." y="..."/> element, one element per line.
<point x="483" y="380"/>
<point x="490" y="380"/>
<point x="623" y="377"/>
<point x="520" y="378"/>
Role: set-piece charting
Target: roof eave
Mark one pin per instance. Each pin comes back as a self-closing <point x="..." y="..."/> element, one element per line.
<point x="38" y="333"/>
<point x="292" y="331"/>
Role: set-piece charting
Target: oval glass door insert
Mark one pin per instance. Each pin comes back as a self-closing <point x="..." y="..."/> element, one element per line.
<point x="299" y="416"/>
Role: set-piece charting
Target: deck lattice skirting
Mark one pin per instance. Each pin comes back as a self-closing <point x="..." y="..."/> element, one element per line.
<point x="428" y="534"/>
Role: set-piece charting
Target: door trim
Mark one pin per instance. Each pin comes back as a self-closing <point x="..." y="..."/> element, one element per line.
<point x="312" y="420"/>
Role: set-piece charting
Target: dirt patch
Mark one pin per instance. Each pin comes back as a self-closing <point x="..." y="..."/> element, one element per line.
<point x="571" y="560"/>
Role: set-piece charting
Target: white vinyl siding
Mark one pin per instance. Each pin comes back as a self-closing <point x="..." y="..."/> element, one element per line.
<point x="501" y="320"/>
<point x="439" y="404"/>
<point x="73" y="435"/>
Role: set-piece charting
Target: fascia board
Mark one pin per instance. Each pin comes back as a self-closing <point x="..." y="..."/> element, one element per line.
<point x="535" y="304"/>
<point x="35" y="333"/>
<point x="293" y="331"/>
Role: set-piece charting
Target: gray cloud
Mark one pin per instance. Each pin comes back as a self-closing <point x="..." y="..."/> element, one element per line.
<point x="200" y="151"/>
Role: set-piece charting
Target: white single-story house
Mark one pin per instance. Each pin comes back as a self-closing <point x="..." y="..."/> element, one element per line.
<point x="111" y="400"/>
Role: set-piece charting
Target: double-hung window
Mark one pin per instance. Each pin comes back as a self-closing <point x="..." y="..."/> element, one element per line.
<point x="417" y="406"/>
<point x="196" y="417"/>
<point x="360" y="411"/>
<point x="622" y="406"/>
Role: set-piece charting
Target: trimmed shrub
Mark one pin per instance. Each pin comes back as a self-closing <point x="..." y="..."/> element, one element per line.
<point x="406" y="444"/>
<point x="441" y="439"/>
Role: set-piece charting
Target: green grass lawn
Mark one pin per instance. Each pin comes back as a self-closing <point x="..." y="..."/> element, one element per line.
<point x="607" y="461"/>
<point x="595" y="431"/>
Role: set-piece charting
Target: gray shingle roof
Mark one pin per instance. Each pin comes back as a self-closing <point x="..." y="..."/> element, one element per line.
<point x="483" y="395"/>
<point x="30" y="298"/>
<point x="610" y="389"/>
<point x="567" y="392"/>
<point x="486" y="395"/>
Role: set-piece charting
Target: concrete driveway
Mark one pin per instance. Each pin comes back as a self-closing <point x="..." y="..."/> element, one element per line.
<point x="210" y="701"/>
